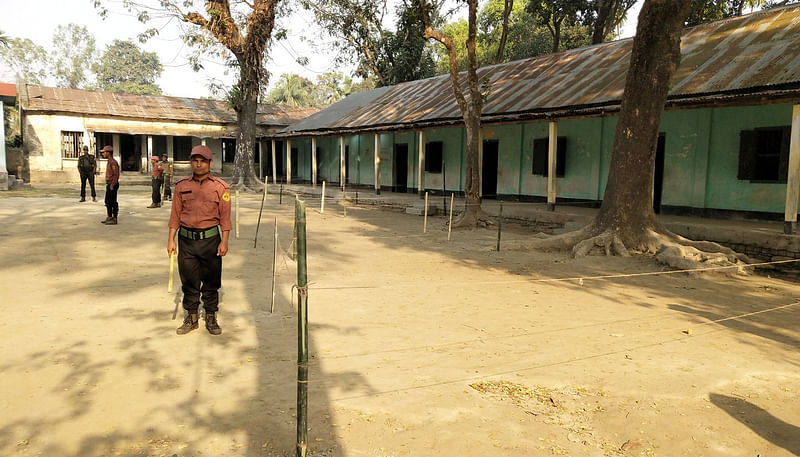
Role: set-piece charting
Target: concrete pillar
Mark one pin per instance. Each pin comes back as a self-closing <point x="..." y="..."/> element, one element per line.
<point x="342" y="169"/>
<point x="288" y="161"/>
<point x="149" y="150"/>
<point x="3" y="169"/>
<point x="313" y="161"/>
<point x="421" y="169"/>
<point x="793" y="182"/>
<point x="378" y="163"/>
<point x="551" y="166"/>
<point x="274" y="165"/>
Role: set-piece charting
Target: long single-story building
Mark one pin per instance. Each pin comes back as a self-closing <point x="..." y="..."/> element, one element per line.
<point x="731" y="120"/>
<point x="56" y="123"/>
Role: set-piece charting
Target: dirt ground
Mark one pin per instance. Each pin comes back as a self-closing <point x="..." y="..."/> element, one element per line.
<point x="419" y="346"/>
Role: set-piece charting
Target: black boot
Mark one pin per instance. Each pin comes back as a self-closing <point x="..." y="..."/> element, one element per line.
<point x="189" y="324"/>
<point x="211" y="324"/>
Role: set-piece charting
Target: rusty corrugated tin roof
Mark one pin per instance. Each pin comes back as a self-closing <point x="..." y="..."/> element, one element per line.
<point x="157" y="107"/>
<point x="748" y="54"/>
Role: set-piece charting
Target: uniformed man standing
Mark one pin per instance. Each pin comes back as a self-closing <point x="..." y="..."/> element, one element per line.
<point x="201" y="217"/>
<point x="157" y="181"/>
<point x="112" y="186"/>
<point x="87" y="167"/>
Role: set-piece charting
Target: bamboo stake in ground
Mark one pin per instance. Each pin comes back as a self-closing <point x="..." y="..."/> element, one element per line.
<point x="274" y="259"/>
<point x="425" y="219"/>
<point x="263" y="197"/>
<point x="450" y="224"/>
<point x="237" y="214"/>
<point x="302" y="331"/>
<point x="499" y="226"/>
<point x="322" y="205"/>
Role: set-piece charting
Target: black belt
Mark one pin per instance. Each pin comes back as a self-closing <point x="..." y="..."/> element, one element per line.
<point x="198" y="234"/>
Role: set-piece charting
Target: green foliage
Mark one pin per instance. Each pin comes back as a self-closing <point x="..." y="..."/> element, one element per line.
<point x="714" y="10"/>
<point x="23" y="58"/>
<point x="404" y="55"/>
<point x="292" y="90"/>
<point x="125" y="68"/>
<point x="73" y="55"/>
<point x="562" y="17"/>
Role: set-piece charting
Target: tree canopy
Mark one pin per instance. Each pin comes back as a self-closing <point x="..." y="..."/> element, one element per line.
<point x="72" y="56"/>
<point x="126" y="68"/>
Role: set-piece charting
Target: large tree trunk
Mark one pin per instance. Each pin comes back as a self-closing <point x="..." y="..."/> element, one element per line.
<point x="627" y="207"/>
<point x="601" y="23"/>
<point x="243" y="171"/>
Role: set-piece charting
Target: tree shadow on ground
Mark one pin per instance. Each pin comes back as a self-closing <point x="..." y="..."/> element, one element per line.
<point x="760" y="421"/>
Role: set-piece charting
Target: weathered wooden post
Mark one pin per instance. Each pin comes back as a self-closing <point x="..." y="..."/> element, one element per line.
<point x="499" y="226"/>
<point x="302" y="331"/>
<point x="322" y="204"/>
<point x="793" y="180"/>
<point x="274" y="260"/>
<point x="258" y="224"/>
<point x="552" y="155"/>
<point x="425" y="219"/>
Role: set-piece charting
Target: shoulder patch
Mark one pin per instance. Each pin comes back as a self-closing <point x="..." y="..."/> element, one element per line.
<point x="226" y="196"/>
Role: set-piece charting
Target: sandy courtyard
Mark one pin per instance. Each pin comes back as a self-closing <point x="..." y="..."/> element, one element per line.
<point x="419" y="346"/>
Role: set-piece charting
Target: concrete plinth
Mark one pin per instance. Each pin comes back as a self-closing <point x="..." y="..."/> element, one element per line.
<point x="3" y="180"/>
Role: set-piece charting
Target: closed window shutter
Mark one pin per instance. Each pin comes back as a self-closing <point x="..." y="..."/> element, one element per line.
<point x="748" y="150"/>
<point x="783" y="171"/>
<point x="540" y="156"/>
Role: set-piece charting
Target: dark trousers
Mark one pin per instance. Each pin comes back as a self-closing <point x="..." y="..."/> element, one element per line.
<point x="87" y="177"/>
<point x="157" y="182"/>
<point x="112" y="206"/>
<point x="167" y="190"/>
<point x="200" y="269"/>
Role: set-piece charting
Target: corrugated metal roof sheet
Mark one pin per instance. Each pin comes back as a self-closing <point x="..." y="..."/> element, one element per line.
<point x="749" y="53"/>
<point x="159" y="107"/>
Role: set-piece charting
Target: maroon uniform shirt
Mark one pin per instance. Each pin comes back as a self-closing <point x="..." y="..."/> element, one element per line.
<point x="201" y="204"/>
<point x="112" y="171"/>
<point x="158" y="170"/>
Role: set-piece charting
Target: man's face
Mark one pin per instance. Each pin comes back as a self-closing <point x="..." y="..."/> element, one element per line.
<point x="200" y="165"/>
<point x="105" y="154"/>
<point x="86" y="151"/>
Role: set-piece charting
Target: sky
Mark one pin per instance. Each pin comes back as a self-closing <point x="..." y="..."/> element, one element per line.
<point x="37" y="20"/>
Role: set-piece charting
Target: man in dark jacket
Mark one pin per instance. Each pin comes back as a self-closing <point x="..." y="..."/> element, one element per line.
<point x="87" y="167"/>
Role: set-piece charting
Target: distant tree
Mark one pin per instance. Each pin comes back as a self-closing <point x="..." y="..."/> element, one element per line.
<point x="328" y="89"/>
<point x="606" y="16"/>
<point x="292" y="90"/>
<point x="559" y="15"/>
<point x="713" y="10"/>
<point x="73" y="56"/>
<point x="22" y="58"/>
<point x="126" y="68"/>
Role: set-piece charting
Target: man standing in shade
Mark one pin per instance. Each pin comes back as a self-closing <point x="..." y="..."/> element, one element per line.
<point x="87" y="166"/>
<point x="112" y="186"/>
<point x="157" y="181"/>
<point x="201" y="217"/>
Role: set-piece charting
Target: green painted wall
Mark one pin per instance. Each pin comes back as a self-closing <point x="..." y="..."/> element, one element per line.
<point x="701" y="158"/>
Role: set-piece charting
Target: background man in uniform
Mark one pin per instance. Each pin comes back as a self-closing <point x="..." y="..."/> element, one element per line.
<point x="201" y="217"/>
<point x="167" y="166"/>
<point x="87" y="166"/>
<point x="157" y="181"/>
<point x="112" y="186"/>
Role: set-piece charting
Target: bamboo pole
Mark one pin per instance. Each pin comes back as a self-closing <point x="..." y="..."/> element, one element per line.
<point x="499" y="226"/>
<point x="450" y="224"/>
<point x="274" y="260"/>
<point x="322" y="204"/>
<point x="302" y="331"/>
<point x="263" y="197"/>
<point x="425" y="219"/>
<point x="171" y="271"/>
<point x="237" y="214"/>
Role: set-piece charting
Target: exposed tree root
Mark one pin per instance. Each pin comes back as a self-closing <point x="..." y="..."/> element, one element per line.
<point x="666" y="247"/>
<point x="474" y="218"/>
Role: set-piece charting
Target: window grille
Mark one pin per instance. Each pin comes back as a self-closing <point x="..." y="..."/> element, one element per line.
<point x="71" y="144"/>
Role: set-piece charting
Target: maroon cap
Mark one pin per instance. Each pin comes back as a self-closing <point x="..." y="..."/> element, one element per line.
<point x="201" y="151"/>
<point x="107" y="148"/>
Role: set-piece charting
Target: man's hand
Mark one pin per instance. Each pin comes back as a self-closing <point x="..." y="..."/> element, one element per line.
<point x="222" y="249"/>
<point x="171" y="248"/>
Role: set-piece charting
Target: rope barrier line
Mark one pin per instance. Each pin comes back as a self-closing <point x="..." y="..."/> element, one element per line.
<point x="573" y="278"/>
<point x="557" y="363"/>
